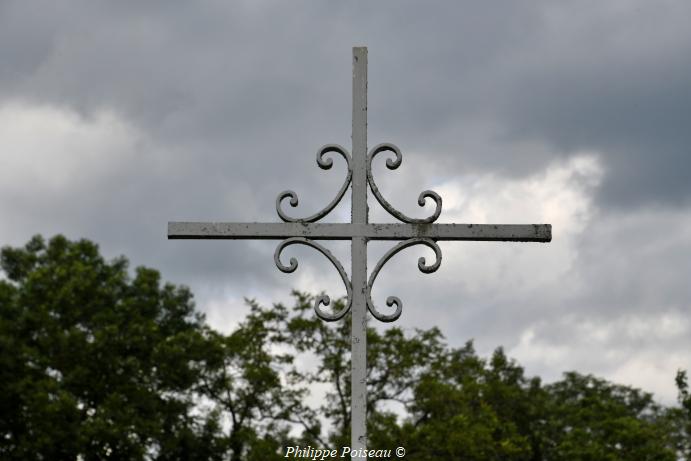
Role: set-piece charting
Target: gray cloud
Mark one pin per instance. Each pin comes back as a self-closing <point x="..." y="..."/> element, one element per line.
<point x="227" y="78"/>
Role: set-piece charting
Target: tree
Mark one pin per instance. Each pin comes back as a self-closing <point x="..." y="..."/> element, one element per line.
<point x="243" y="383"/>
<point x="456" y="405"/>
<point x="94" y="363"/>
<point x="394" y="364"/>
<point x="97" y="364"/>
<point x="590" y="418"/>
<point x="469" y="409"/>
<point x="681" y="417"/>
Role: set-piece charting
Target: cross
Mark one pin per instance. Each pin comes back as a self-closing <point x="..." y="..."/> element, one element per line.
<point x="411" y="231"/>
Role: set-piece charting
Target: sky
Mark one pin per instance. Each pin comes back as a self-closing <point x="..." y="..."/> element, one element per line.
<point x="117" y="117"/>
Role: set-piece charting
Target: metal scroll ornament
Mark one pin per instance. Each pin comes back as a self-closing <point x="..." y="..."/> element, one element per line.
<point x="421" y="264"/>
<point x="392" y="164"/>
<point x="326" y="163"/>
<point x="323" y="299"/>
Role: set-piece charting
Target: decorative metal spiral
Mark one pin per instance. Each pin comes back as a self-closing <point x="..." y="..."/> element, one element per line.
<point x="421" y="264"/>
<point x="392" y="164"/>
<point x="324" y="299"/>
<point x="324" y="164"/>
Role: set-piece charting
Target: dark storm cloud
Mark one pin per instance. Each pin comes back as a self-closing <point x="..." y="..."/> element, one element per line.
<point x="617" y="83"/>
<point x="241" y="83"/>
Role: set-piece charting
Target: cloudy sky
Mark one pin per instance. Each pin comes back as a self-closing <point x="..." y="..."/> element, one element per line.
<point x="117" y="117"/>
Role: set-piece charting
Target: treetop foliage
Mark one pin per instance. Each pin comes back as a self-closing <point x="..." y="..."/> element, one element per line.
<point x="96" y="363"/>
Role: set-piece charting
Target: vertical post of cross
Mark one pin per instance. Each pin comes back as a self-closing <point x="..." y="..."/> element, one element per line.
<point x="358" y="413"/>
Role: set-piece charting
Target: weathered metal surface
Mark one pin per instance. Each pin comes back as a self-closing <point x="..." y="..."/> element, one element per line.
<point x="346" y="231"/>
<point x="358" y="361"/>
<point x="412" y="231"/>
<point x="421" y="264"/>
<point x="324" y="299"/>
<point x="392" y="164"/>
<point x="324" y="164"/>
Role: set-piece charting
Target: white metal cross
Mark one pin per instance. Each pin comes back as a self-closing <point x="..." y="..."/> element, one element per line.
<point x="306" y="231"/>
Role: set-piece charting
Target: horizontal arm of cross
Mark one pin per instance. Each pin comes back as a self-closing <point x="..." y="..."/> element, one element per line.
<point x="346" y="231"/>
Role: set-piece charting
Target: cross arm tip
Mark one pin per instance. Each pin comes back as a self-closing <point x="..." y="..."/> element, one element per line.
<point x="170" y="230"/>
<point x="548" y="232"/>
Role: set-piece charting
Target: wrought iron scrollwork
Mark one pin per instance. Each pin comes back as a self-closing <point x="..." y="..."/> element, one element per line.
<point x="392" y="164"/>
<point x="421" y="264"/>
<point x="325" y="163"/>
<point x="323" y="299"/>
